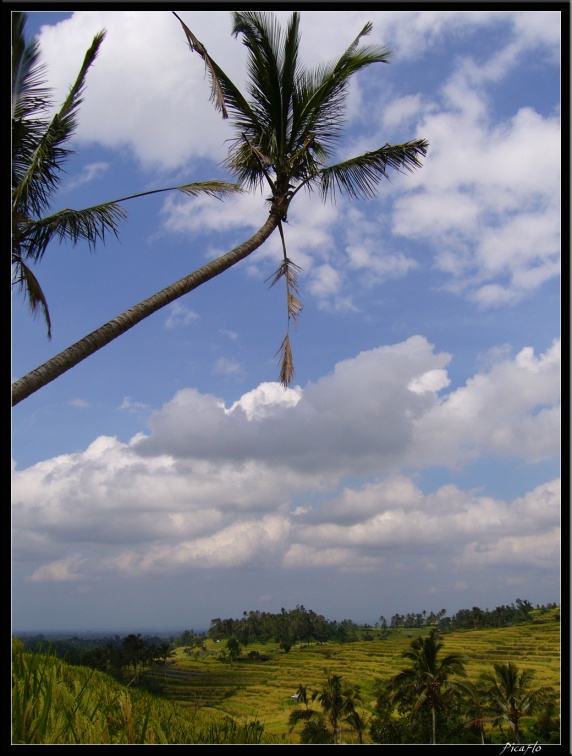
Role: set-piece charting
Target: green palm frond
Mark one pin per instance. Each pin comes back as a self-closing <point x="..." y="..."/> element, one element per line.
<point x="320" y="106"/>
<point x="36" y="185"/>
<point x="214" y="188"/>
<point x="360" y="176"/>
<point x="91" y="224"/>
<point x="25" y="279"/>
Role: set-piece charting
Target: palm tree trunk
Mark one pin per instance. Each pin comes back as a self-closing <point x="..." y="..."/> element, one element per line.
<point x="434" y="723"/>
<point x="74" y="354"/>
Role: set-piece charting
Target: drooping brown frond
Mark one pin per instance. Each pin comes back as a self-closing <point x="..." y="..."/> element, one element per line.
<point x="295" y="307"/>
<point x="217" y="96"/>
<point x="286" y="362"/>
<point x="289" y="270"/>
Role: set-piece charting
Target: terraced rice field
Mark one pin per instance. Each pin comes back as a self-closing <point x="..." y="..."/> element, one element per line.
<point x="264" y="689"/>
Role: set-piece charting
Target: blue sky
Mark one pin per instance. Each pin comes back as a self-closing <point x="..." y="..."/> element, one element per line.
<point x="415" y="463"/>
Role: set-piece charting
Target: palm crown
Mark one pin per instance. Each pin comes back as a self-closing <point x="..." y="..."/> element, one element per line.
<point x="292" y="122"/>
<point x="290" y="126"/>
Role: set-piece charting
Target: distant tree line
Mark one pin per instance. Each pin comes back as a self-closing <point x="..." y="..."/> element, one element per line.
<point x="299" y="625"/>
<point x="469" y="619"/>
<point x="112" y="654"/>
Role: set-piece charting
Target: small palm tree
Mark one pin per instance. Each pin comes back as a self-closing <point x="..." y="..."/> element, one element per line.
<point x="38" y="157"/>
<point x="509" y="695"/>
<point x="338" y="701"/>
<point x="427" y="681"/>
<point x="287" y="130"/>
<point x="134" y="649"/>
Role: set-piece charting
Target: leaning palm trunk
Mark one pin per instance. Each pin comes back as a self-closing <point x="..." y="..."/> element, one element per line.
<point x="74" y="354"/>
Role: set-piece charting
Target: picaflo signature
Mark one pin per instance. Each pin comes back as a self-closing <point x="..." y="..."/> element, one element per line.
<point x="524" y="748"/>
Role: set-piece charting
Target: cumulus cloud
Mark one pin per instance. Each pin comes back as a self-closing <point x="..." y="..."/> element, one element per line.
<point x="513" y="410"/>
<point x="487" y="200"/>
<point x="258" y="483"/>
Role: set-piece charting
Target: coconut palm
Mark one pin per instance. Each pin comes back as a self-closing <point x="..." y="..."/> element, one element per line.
<point x="338" y="701"/>
<point x="134" y="650"/>
<point x="509" y="695"/>
<point x="428" y="681"/>
<point x="38" y="157"/>
<point x="287" y="128"/>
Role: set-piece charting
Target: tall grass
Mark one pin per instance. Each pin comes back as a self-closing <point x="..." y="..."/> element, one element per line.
<point x="55" y="703"/>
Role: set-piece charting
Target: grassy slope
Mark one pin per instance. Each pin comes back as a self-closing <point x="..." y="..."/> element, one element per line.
<point x="263" y="690"/>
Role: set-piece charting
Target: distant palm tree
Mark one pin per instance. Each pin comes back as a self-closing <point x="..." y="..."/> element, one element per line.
<point x="287" y="129"/>
<point x="509" y="695"/>
<point x="134" y="649"/>
<point x="428" y="679"/>
<point x="338" y="701"/>
<point x="38" y="156"/>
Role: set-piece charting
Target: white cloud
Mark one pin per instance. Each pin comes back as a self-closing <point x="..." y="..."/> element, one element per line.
<point x="266" y="400"/>
<point x="487" y="199"/>
<point x="61" y="570"/>
<point x="77" y="402"/>
<point x="257" y="483"/>
<point x="513" y="410"/>
<point x="89" y="173"/>
<point x="180" y="315"/>
<point x="131" y="406"/>
<point x="227" y="367"/>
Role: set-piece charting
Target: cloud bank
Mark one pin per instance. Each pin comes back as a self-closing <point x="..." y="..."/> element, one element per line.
<point x="266" y="481"/>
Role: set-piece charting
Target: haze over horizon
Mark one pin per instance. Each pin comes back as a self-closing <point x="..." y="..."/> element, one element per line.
<point x="415" y="462"/>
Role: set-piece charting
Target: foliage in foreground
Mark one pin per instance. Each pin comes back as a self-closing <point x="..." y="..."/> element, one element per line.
<point x="53" y="702"/>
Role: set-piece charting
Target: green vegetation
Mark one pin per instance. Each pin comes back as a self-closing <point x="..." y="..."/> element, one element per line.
<point x="427" y="682"/>
<point x="206" y="698"/>
<point x="56" y="703"/>
<point x="339" y="703"/>
<point x="38" y="157"/>
<point x="510" y="696"/>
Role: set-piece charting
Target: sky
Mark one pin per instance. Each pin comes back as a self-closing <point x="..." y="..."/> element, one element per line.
<point x="415" y="462"/>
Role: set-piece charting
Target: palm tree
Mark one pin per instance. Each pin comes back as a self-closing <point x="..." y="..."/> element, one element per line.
<point x="338" y="701"/>
<point x="38" y="156"/>
<point x="134" y="649"/>
<point x="427" y="681"/>
<point x="509" y="695"/>
<point x="287" y="129"/>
